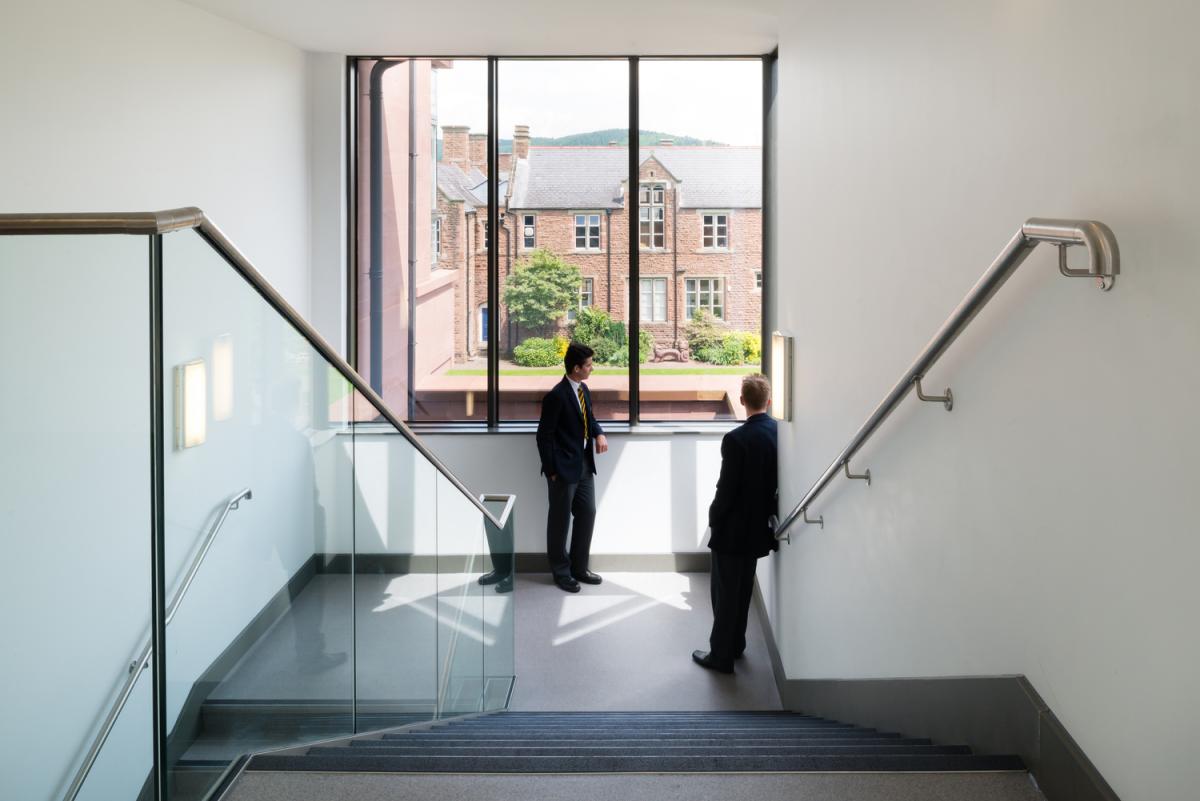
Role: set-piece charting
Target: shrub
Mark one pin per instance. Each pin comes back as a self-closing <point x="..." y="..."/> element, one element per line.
<point x="560" y="346"/>
<point x="750" y="343"/>
<point x="703" y="333"/>
<point x="537" y="352"/>
<point x="594" y="328"/>
<point x="645" y="348"/>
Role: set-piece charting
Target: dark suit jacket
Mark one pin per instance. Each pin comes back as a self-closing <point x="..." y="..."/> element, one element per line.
<point x="560" y="434"/>
<point x="746" y="490"/>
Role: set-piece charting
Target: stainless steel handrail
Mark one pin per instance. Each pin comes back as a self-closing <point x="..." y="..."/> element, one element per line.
<point x="160" y="222"/>
<point x="1104" y="264"/>
<point x="140" y="662"/>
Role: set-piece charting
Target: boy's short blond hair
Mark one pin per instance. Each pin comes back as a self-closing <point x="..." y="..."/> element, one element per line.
<point x="756" y="390"/>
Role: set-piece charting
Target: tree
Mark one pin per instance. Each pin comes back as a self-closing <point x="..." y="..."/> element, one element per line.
<point x="541" y="290"/>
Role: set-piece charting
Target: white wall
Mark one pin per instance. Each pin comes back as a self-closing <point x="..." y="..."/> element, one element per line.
<point x="652" y="491"/>
<point x="139" y="105"/>
<point x="1043" y="527"/>
<point x="127" y="105"/>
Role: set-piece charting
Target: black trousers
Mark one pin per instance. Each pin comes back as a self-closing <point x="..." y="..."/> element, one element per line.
<point x="732" y="588"/>
<point x="569" y="500"/>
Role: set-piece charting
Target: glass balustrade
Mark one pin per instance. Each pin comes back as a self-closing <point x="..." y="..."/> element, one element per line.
<point x="321" y="571"/>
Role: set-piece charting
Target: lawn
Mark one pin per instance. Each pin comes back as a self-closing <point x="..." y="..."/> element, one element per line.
<point x="713" y="370"/>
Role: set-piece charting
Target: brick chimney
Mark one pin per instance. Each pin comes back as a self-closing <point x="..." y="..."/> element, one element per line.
<point x="454" y="145"/>
<point x="505" y="165"/>
<point x="477" y="145"/>
<point x="521" y="142"/>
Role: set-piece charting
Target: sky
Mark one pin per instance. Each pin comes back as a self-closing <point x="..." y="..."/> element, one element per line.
<point x="718" y="100"/>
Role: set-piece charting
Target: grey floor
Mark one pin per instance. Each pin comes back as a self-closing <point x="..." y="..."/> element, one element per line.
<point x="402" y="648"/>
<point x="652" y="787"/>
<point x="626" y="645"/>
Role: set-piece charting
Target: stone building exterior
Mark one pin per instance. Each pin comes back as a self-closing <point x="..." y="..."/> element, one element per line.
<point x="700" y="230"/>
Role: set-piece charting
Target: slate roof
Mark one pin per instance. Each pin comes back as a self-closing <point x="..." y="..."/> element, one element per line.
<point x="590" y="177"/>
<point x="469" y="187"/>
<point x="457" y="185"/>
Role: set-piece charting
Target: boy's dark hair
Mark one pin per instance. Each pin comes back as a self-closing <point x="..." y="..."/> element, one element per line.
<point x="576" y="355"/>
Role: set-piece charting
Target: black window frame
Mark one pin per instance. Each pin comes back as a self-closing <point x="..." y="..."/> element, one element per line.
<point x="769" y="87"/>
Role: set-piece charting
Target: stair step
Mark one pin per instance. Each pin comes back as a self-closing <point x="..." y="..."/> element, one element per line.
<point x="349" y="762"/>
<point x="661" y="749"/>
<point x="583" y="734"/>
<point x="389" y="741"/>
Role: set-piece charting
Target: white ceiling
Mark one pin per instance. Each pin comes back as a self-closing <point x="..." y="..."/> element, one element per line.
<point x="515" y="27"/>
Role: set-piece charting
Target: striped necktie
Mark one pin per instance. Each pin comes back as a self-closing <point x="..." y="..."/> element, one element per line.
<point x="583" y="408"/>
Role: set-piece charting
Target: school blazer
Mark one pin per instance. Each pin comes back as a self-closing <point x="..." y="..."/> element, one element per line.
<point x="746" y="491"/>
<point x="560" y="434"/>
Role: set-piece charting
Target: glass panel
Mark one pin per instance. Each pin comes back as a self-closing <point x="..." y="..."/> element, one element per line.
<point x="713" y="228"/>
<point x="499" y="611"/>
<point x="396" y="583"/>
<point x="571" y="165"/>
<point x="445" y="101"/>
<point x="260" y="651"/>
<point x="461" y="560"/>
<point x="75" y="505"/>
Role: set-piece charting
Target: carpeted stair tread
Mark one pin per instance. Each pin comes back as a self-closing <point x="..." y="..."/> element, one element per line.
<point x="518" y="742"/>
<point x="636" y="743"/>
<point x="634" y="764"/>
<point x="659" y="750"/>
<point x="583" y="734"/>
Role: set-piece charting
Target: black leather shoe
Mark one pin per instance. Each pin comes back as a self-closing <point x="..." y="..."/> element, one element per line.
<point x="566" y="583"/>
<point x="587" y="577"/>
<point x="495" y="577"/>
<point x="704" y="659"/>
<point x="505" y="584"/>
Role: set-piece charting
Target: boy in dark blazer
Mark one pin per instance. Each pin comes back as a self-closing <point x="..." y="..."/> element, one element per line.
<point x="568" y="437"/>
<point x="739" y="523"/>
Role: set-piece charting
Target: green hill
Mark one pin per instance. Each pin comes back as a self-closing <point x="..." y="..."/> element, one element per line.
<point x="600" y="138"/>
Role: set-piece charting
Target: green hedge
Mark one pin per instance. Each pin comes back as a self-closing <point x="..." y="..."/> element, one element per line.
<point x="537" y="352"/>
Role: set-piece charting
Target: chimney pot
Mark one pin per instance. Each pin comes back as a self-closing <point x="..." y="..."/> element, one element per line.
<point x="521" y="141"/>
<point x="454" y="145"/>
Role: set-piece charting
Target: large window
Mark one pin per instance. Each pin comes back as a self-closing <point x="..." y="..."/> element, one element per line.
<point x="420" y="275"/>
<point x="701" y="222"/>
<point x="568" y="175"/>
<point x="575" y="195"/>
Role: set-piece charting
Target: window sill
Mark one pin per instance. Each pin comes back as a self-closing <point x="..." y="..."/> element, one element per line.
<point x="655" y="428"/>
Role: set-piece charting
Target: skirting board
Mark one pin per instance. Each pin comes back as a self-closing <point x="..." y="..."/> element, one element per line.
<point x="684" y="562"/>
<point x="401" y="564"/>
<point x="992" y="714"/>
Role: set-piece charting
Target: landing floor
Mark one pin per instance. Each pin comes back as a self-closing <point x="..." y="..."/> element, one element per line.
<point x="626" y="645"/>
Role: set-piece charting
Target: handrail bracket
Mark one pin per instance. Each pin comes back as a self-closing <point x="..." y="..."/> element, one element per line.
<point x="865" y="476"/>
<point x="946" y="400"/>
<point x="820" y="521"/>
<point x="1103" y="282"/>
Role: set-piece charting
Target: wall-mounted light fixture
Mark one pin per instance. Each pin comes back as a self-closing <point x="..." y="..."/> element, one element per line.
<point x="191" y="404"/>
<point x="781" y="376"/>
<point x="222" y="377"/>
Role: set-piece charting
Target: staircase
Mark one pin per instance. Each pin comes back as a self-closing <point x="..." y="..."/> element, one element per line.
<point x="636" y="742"/>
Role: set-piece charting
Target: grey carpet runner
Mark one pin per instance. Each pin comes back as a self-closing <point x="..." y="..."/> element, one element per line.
<point x="635" y="742"/>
